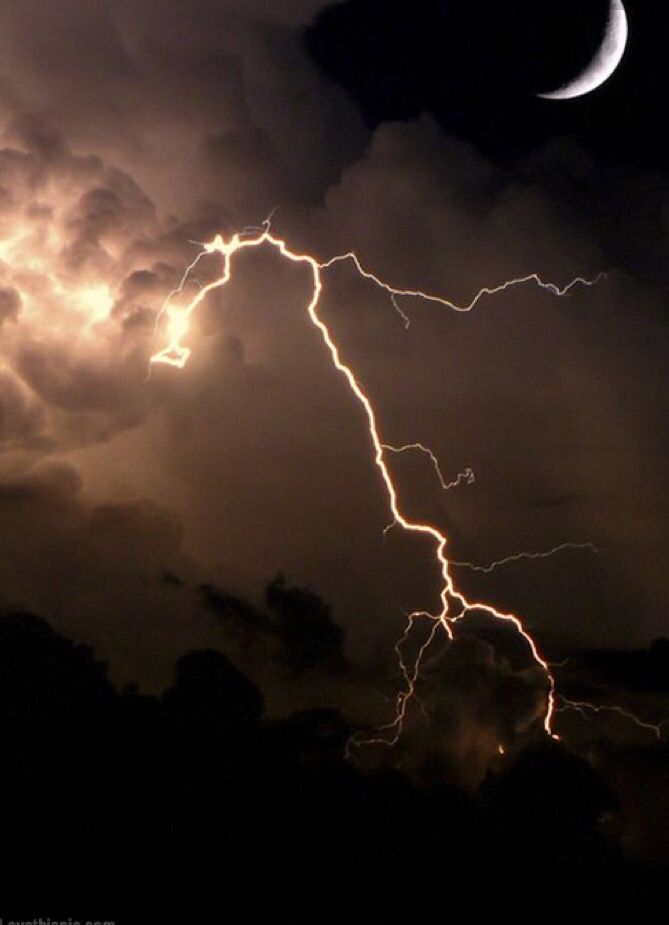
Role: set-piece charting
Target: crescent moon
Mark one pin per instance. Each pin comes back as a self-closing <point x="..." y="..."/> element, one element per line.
<point x="605" y="61"/>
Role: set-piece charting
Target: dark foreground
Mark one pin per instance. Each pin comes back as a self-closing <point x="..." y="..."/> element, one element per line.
<point x="192" y="808"/>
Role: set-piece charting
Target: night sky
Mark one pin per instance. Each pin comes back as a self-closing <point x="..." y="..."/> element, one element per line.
<point x="233" y="506"/>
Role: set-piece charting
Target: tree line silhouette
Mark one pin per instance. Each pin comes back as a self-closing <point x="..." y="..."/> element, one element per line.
<point x="193" y="806"/>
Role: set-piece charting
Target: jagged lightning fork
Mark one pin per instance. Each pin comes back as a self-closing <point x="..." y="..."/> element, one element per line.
<point x="467" y="476"/>
<point x="454" y="606"/>
<point x="587" y="709"/>
<point x="394" y="728"/>
<point x="178" y="290"/>
<point x="395" y="292"/>
<point x="519" y="556"/>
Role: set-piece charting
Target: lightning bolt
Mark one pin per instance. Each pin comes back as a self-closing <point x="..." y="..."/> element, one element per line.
<point x="586" y="710"/>
<point x="454" y="606"/>
<point x="519" y="556"/>
<point x="467" y="476"/>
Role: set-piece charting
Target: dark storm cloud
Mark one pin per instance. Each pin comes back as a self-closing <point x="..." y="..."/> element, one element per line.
<point x="78" y="562"/>
<point x="184" y="96"/>
<point x="176" y="123"/>
<point x="473" y="698"/>
<point x="635" y="669"/>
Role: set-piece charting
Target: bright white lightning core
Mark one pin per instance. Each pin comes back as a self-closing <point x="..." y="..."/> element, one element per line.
<point x="454" y="606"/>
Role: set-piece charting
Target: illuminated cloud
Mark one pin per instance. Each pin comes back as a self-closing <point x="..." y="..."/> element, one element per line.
<point x="171" y="128"/>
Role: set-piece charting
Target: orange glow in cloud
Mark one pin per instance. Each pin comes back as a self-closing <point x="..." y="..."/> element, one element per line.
<point x="57" y="303"/>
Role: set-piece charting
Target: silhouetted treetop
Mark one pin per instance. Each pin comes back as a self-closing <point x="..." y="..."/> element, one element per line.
<point x="208" y="688"/>
<point x="44" y="675"/>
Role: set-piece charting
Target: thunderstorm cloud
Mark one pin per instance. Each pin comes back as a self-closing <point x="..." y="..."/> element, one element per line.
<point x="124" y="494"/>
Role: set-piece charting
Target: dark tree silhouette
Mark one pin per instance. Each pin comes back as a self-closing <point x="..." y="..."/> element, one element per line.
<point x="191" y="807"/>
<point x="45" y="676"/>
<point x="208" y="688"/>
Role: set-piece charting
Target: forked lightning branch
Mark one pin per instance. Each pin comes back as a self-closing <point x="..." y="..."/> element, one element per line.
<point x="174" y="320"/>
